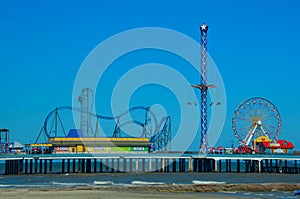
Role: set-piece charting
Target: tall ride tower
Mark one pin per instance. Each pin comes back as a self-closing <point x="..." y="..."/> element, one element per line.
<point x="86" y="99"/>
<point x="203" y="87"/>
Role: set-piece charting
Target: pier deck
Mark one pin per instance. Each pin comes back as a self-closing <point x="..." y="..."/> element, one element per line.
<point x="153" y="162"/>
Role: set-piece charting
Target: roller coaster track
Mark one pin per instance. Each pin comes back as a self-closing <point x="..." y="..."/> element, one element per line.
<point x="162" y="130"/>
<point x="162" y="139"/>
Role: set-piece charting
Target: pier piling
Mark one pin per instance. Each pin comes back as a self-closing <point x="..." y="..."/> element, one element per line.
<point x="44" y="165"/>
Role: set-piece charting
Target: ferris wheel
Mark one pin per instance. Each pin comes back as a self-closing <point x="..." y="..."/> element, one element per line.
<point x="256" y="117"/>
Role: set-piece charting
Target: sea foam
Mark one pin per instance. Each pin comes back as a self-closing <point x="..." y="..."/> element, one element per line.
<point x="69" y="184"/>
<point x="103" y="182"/>
<point x="206" y="182"/>
<point x="146" y="183"/>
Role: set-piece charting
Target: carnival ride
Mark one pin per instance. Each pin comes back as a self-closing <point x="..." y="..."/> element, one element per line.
<point x="257" y="121"/>
<point x="203" y="87"/>
<point x="158" y="134"/>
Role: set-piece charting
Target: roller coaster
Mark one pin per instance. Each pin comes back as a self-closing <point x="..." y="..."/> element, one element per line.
<point x="158" y="132"/>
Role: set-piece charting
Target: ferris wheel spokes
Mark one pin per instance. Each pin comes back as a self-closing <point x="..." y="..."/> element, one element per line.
<point x="256" y="126"/>
<point x="249" y="136"/>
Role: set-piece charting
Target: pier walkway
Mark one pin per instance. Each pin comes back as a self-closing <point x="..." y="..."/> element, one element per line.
<point x="153" y="162"/>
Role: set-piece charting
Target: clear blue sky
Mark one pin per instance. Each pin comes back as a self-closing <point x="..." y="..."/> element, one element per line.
<point x="255" y="45"/>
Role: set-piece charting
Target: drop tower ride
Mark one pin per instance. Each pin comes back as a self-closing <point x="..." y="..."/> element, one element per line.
<point x="204" y="88"/>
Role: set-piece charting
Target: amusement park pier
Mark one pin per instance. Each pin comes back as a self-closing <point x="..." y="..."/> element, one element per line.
<point x="256" y="124"/>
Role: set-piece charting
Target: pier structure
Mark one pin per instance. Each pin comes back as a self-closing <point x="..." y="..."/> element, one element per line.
<point x="110" y="163"/>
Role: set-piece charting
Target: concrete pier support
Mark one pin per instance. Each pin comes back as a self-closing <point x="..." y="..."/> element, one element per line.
<point x="150" y="164"/>
<point x="276" y="166"/>
<point x="74" y="166"/>
<point x="68" y="165"/>
<point x="8" y="167"/>
<point x="7" y="164"/>
<point x="63" y="166"/>
<point x="79" y="166"/>
<point x="20" y="166"/>
<point x="112" y="165"/>
<point x="174" y="165"/>
<point x="207" y="165"/>
<point x="200" y="165"/>
<point x="259" y="166"/>
<point x="238" y="166"/>
<point x="95" y="165"/>
<point x="280" y="166"/>
<point x="266" y="168"/>
<point x="247" y="166"/>
<point x="286" y="167"/>
<point x="83" y="165"/>
<point x="227" y="165"/>
<point x="156" y="165"/>
<point x="101" y="165"/>
<point x="35" y="165"/>
<point x="50" y="166"/>
<point x="195" y="164"/>
<point x="118" y="165"/>
<point x="41" y="166"/>
<point x="26" y="166"/>
<point x="88" y="166"/>
<point x="137" y="165"/>
<point x="190" y="164"/>
<point x="143" y="165"/>
<point x="216" y="166"/>
<point x="30" y="166"/>
<point x="168" y="164"/>
<point x="182" y="165"/>
<point x="45" y="166"/>
<point x="106" y="165"/>
<point x="163" y="166"/>
<point x="130" y="165"/>
<point x="124" y="164"/>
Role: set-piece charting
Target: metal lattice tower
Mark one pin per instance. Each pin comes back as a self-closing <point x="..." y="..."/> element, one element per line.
<point x="203" y="87"/>
<point x="4" y="140"/>
<point x="86" y="99"/>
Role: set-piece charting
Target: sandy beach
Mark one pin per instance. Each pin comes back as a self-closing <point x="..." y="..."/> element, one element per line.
<point x="100" y="194"/>
<point x="92" y="194"/>
<point x="161" y="191"/>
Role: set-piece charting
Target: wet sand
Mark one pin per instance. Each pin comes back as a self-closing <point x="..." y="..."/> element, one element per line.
<point x="99" y="194"/>
<point x="135" y="192"/>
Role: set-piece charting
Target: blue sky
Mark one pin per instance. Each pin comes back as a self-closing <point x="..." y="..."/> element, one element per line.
<point x="255" y="45"/>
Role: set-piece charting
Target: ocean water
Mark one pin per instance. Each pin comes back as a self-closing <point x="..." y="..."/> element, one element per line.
<point x="70" y="180"/>
<point x="73" y="180"/>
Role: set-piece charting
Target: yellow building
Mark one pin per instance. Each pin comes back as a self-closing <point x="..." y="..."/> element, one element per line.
<point x="100" y="145"/>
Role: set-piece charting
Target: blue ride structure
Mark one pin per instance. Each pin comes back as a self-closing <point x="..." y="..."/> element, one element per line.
<point x="156" y="134"/>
